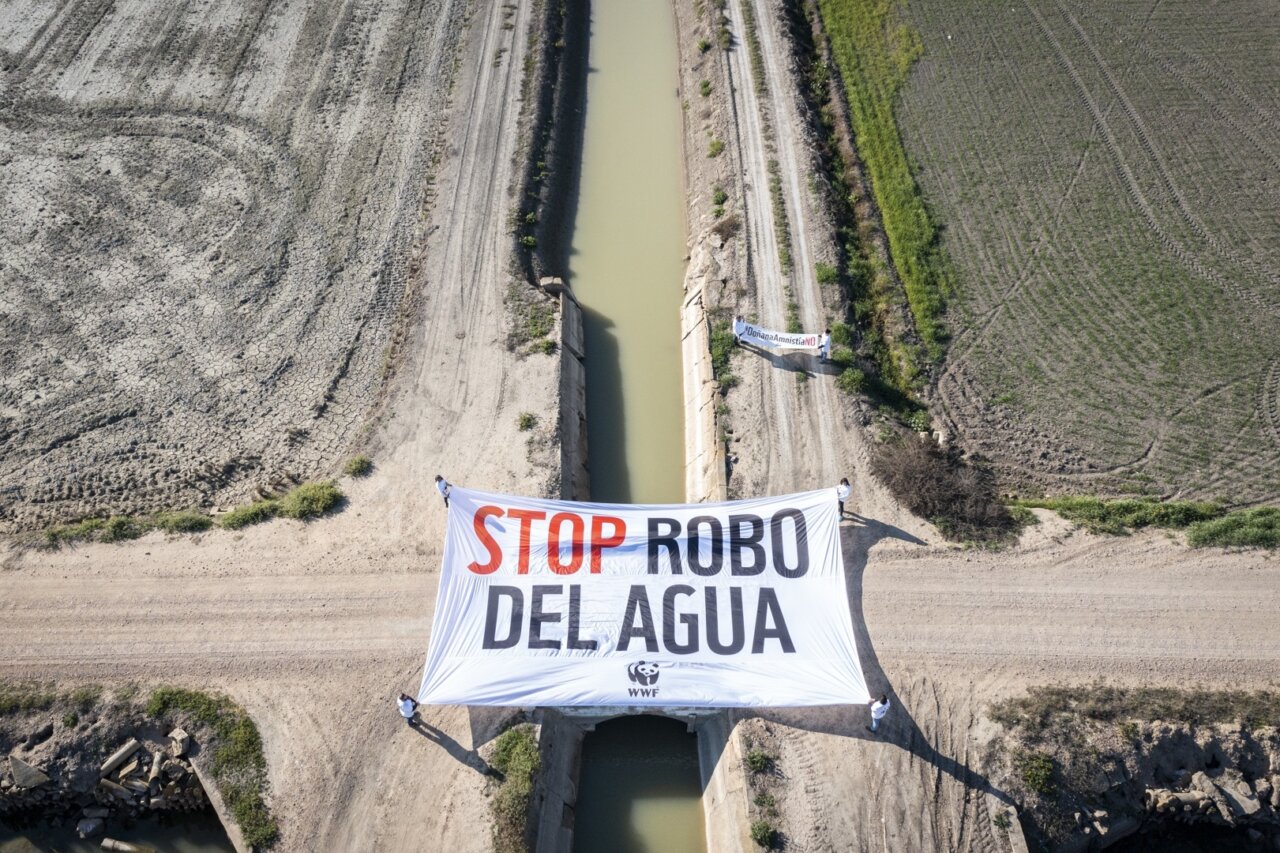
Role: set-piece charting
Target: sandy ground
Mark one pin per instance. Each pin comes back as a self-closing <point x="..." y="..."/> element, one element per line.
<point x="316" y="627"/>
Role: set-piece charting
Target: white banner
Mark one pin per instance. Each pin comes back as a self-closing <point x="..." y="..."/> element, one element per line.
<point x="774" y="340"/>
<point x="552" y="603"/>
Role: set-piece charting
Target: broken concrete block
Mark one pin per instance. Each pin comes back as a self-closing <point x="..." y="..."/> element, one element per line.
<point x="155" y="766"/>
<point x="117" y="758"/>
<point x="1239" y="796"/>
<point x="115" y="790"/>
<point x="129" y="768"/>
<point x="24" y="775"/>
<point x="179" y="743"/>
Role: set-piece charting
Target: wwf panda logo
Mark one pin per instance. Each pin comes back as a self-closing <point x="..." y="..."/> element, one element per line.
<point x="643" y="672"/>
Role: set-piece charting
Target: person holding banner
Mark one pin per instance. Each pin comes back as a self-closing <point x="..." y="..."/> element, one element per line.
<point x="442" y="486"/>
<point x="824" y="346"/>
<point x="842" y="494"/>
<point x="879" y="709"/>
<point x="408" y="709"/>
<point x="739" y="326"/>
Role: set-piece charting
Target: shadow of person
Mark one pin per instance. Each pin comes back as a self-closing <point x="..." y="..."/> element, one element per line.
<point x="461" y="754"/>
<point x="790" y="361"/>
<point x="874" y="530"/>
<point x="898" y="728"/>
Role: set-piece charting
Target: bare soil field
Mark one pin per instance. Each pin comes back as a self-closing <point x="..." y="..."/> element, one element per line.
<point x="1108" y="176"/>
<point x="208" y="215"/>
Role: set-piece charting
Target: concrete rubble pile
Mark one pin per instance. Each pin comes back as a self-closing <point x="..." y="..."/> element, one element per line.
<point x="135" y="780"/>
<point x="1222" y="796"/>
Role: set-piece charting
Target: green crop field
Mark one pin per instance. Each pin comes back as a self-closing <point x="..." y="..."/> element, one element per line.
<point x="1106" y="181"/>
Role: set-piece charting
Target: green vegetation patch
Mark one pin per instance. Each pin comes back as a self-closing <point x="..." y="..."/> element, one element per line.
<point x="1045" y="710"/>
<point x="123" y="528"/>
<point x="310" y="500"/>
<point x="516" y="757"/>
<point x="239" y="768"/>
<point x="763" y="834"/>
<point x="874" y="51"/>
<point x="1035" y="770"/>
<point x="533" y="318"/>
<point x="759" y="761"/>
<point x="26" y="697"/>
<point x="722" y="348"/>
<point x="1246" y="528"/>
<point x="358" y="466"/>
<point x="1118" y="517"/>
<point x="254" y="513"/>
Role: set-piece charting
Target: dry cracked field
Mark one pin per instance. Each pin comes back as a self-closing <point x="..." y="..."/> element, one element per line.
<point x="207" y="217"/>
<point x="1109" y="177"/>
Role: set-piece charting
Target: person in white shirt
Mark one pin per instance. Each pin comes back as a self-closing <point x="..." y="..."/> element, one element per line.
<point x="842" y="494"/>
<point x="408" y="709"/>
<point x="442" y="486"/>
<point x="739" y="329"/>
<point x="824" y="346"/>
<point x="879" y="708"/>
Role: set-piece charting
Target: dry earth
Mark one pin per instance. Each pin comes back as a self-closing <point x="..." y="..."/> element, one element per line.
<point x="315" y="628"/>
<point x="208" y="217"/>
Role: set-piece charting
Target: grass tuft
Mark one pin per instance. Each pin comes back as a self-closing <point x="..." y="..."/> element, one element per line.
<point x="358" y="466"/>
<point x="254" y="513"/>
<point x="517" y="758"/>
<point x="310" y="500"/>
<point x="1120" y="516"/>
<point x="1246" y="528"/>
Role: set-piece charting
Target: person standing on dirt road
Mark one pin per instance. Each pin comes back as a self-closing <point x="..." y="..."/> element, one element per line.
<point x="739" y="329"/>
<point x="442" y="486"/>
<point x="842" y="494"/>
<point x="879" y="708"/>
<point x="408" y="709"/>
<point x="824" y="346"/>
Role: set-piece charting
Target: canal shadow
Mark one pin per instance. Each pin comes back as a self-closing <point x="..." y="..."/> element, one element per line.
<point x="899" y="728"/>
<point x="606" y="411"/>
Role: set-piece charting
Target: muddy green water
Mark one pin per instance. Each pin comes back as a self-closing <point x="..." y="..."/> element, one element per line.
<point x="639" y="787"/>
<point x="639" y="776"/>
<point x="627" y="266"/>
<point x="197" y="833"/>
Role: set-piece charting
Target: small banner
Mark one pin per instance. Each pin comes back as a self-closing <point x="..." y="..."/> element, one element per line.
<point x="774" y="340"/>
<point x="552" y="603"/>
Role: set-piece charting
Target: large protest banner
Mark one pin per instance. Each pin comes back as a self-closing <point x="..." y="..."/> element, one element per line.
<point x="776" y="340"/>
<point x="551" y="603"/>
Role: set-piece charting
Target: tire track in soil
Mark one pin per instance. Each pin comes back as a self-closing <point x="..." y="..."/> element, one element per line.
<point x="1144" y="140"/>
<point x="1176" y="249"/>
<point x="762" y="244"/>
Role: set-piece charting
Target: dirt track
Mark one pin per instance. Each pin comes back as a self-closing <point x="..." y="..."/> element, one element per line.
<point x="315" y="628"/>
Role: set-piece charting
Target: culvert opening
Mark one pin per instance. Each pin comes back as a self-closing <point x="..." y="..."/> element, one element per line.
<point x="639" y="788"/>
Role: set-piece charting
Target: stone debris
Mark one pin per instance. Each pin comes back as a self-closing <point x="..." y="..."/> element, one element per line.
<point x="180" y="742"/>
<point x="118" y="757"/>
<point x="136" y="779"/>
<point x="90" y="826"/>
<point x="24" y="775"/>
